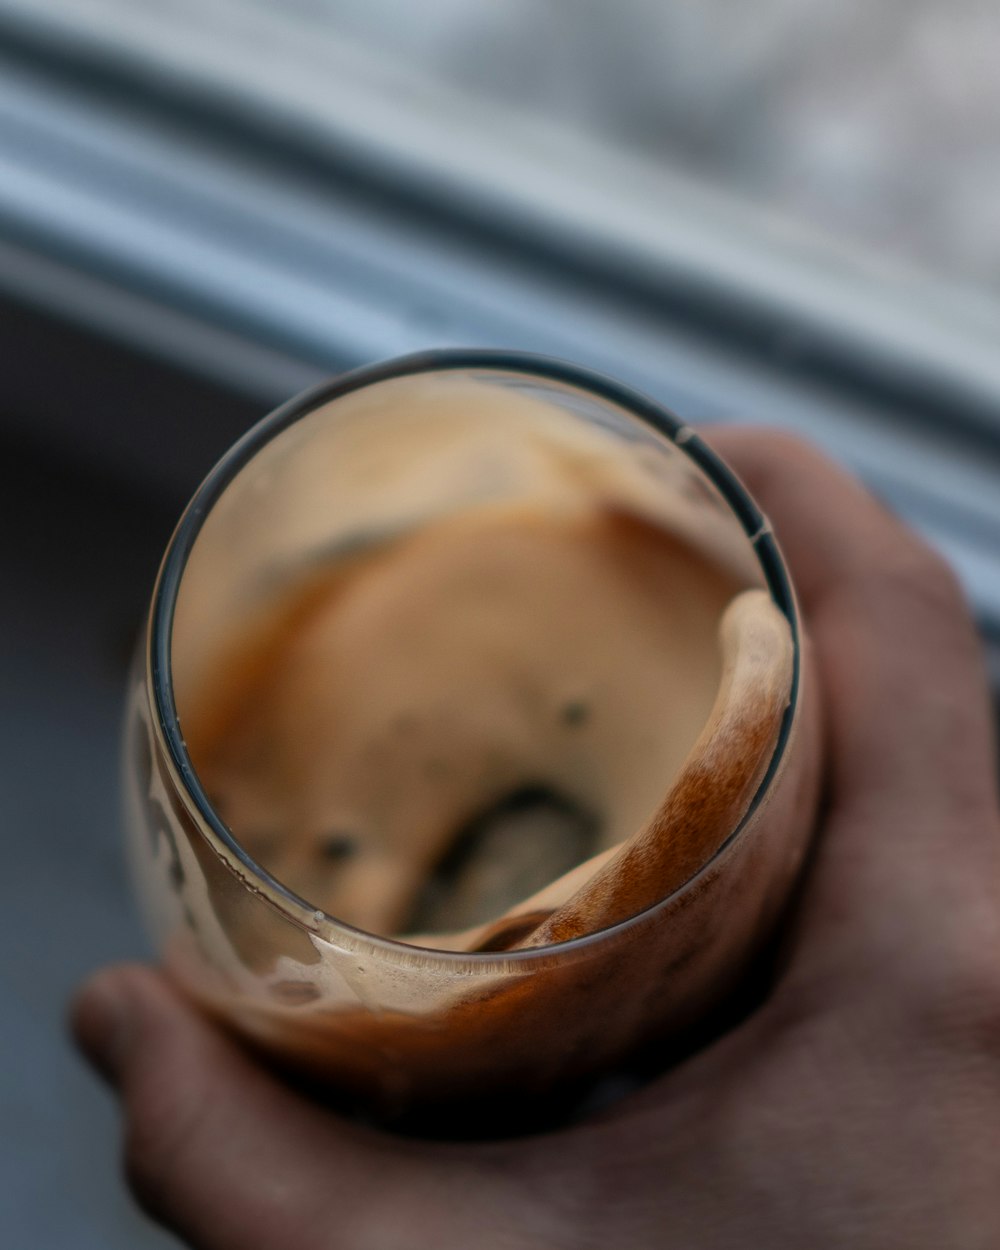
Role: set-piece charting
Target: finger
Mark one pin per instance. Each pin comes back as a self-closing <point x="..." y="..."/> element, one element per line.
<point x="214" y="1148"/>
<point x="227" y="1156"/>
<point x="904" y="682"/>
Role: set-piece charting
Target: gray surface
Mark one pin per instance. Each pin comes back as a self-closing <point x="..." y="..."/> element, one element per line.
<point x="76" y="562"/>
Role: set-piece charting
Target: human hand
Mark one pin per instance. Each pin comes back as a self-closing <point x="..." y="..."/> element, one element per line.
<point x="858" y="1106"/>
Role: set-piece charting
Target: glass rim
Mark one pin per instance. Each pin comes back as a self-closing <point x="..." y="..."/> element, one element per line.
<point x="159" y="639"/>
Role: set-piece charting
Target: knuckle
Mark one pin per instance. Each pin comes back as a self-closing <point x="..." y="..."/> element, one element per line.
<point x="916" y="578"/>
<point x="778" y="456"/>
<point x="932" y="573"/>
<point x="790" y="451"/>
<point x="969" y="1023"/>
<point x="961" y="1005"/>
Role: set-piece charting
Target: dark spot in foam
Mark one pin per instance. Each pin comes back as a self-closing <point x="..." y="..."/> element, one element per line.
<point x="576" y="712"/>
<point x="338" y="847"/>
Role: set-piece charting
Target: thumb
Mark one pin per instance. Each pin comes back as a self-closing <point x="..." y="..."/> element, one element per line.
<point x="227" y="1156"/>
<point x="215" y="1148"/>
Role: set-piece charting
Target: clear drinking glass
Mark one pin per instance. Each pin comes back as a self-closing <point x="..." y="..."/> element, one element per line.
<point x="351" y="467"/>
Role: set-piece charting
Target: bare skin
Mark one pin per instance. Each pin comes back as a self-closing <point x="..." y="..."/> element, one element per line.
<point x="859" y="1106"/>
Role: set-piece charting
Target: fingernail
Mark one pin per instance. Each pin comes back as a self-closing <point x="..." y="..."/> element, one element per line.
<point x="101" y="1022"/>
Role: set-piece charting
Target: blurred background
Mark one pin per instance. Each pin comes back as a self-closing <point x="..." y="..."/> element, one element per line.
<point x="755" y="210"/>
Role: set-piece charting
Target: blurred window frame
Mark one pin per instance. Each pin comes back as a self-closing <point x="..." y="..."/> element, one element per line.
<point x="262" y="229"/>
